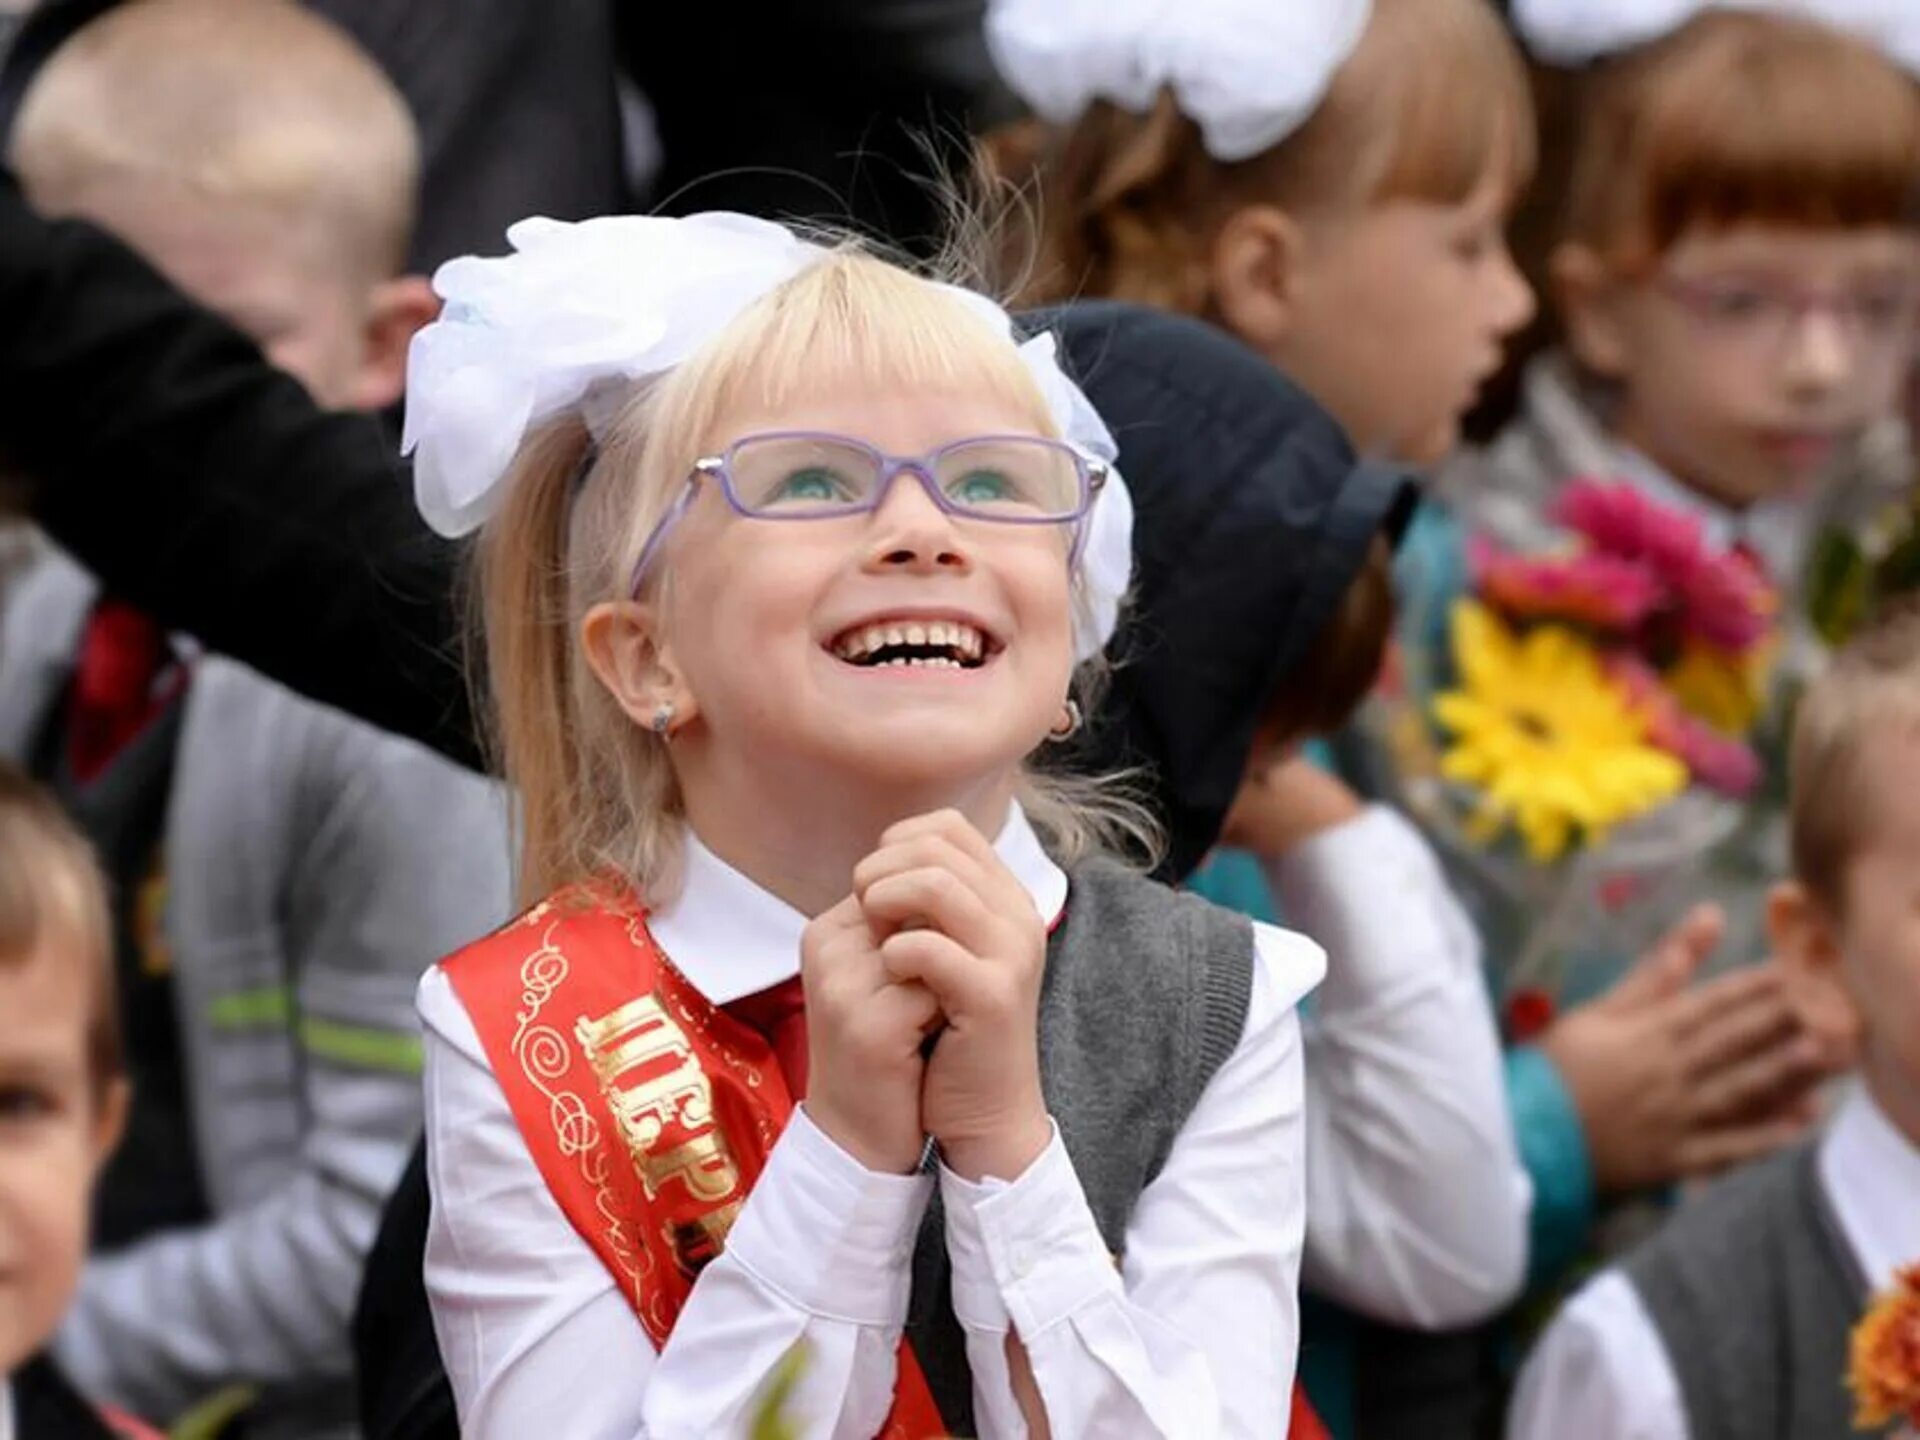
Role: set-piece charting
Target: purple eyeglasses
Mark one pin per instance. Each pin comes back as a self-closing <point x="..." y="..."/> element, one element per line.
<point x="1766" y="314"/>
<point x="814" y="475"/>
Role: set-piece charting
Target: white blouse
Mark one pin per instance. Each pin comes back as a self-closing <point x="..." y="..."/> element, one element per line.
<point x="1194" y="1334"/>
<point x="1417" y="1202"/>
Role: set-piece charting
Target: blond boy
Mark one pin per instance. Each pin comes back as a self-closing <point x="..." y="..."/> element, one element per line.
<point x="1734" y="1320"/>
<point x="284" y="872"/>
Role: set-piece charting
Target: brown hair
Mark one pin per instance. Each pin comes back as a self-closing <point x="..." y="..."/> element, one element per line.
<point x="51" y="893"/>
<point x="596" y="792"/>
<point x="262" y="101"/>
<point x="1739" y="117"/>
<point x="1127" y="206"/>
<point x="1341" y="665"/>
<point x="1872" y="688"/>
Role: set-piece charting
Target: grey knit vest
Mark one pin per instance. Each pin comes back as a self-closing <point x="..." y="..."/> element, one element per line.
<point x="1754" y="1290"/>
<point x="1145" y="997"/>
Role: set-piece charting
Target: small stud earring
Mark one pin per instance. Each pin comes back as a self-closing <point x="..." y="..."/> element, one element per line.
<point x="663" y="719"/>
<point x="1068" y="725"/>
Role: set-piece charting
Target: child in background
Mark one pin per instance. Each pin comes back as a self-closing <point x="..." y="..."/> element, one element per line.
<point x="1735" y="277"/>
<point x="767" y="693"/>
<point x="281" y="873"/>
<point x="1734" y="1320"/>
<point x="63" y="1097"/>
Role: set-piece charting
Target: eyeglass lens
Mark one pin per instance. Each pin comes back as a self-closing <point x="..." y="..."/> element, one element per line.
<point x="993" y="479"/>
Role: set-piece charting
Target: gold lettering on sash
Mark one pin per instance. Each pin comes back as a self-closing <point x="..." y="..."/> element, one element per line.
<point x="655" y="1085"/>
<point x="702" y="1164"/>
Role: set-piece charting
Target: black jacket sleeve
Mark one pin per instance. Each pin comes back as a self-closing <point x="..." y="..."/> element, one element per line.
<point x="205" y="486"/>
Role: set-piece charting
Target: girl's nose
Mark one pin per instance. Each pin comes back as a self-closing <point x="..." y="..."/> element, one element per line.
<point x="1820" y="353"/>
<point x="910" y="532"/>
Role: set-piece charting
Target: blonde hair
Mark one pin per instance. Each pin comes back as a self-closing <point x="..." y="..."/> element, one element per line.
<point x="598" y="793"/>
<point x="1127" y="206"/>
<point x="253" y="100"/>
<point x="1737" y="117"/>
<point x="1872" y="688"/>
<point x="51" y="893"/>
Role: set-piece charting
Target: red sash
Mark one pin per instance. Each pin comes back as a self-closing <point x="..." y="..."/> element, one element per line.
<point x="649" y="1111"/>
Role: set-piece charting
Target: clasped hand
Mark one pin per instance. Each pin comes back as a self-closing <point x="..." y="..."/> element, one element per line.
<point x="937" y="941"/>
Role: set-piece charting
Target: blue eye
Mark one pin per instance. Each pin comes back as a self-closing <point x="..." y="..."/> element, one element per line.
<point x="813" y="485"/>
<point x="982" y="487"/>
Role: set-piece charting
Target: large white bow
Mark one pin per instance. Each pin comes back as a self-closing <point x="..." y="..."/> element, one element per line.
<point x="1248" y="72"/>
<point x="578" y="312"/>
<point x="1572" y="32"/>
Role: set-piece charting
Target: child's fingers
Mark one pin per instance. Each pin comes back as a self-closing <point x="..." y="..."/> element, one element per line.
<point x="928" y="851"/>
<point x="1695" y="1019"/>
<point x="907" y="1007"/>
<point x="1759" y="1081"/>
<point x="954" y="827"/>
<point x="1710" y="1151"/>
<point x="938" y="898"/>
<point x="952" y="972"/>
<point x="1673" y="960"/>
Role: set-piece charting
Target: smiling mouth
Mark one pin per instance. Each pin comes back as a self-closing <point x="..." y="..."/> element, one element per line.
<point x="928" y="644"/>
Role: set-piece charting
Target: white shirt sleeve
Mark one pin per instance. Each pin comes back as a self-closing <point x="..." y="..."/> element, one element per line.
<point x="532" y="1328"/>
<point x="1195" y="1332"/>
<point x="1600" y="1372"/>
<point x="1417" y="1201"/>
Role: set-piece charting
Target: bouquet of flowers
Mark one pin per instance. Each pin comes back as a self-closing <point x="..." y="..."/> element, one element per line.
<point x="1585" y="730"/>
<point x="1597" y="683"/>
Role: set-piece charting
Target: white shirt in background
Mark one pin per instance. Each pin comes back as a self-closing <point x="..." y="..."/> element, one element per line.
<point x="1417" y="1202"/>
<point x="1601" y="1371"/>
<point x="1193" y="1334"/>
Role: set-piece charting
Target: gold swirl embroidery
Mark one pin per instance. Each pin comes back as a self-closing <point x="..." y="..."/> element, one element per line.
<point x="542" y="1053"/>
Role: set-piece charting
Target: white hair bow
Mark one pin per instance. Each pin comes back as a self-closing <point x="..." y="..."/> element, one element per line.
<point x="1248" y="72"/>
<point x="579" y="312"/>
<point x="1572" y="32"/>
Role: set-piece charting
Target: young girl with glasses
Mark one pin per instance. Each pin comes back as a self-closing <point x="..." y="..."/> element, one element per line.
<point x="836" y="1062"/>
<point x="1735" y="284"/>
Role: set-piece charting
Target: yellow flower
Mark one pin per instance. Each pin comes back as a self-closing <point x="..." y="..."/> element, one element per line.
<point x="1727" y="691"/>
<point x="1550" y="743"/>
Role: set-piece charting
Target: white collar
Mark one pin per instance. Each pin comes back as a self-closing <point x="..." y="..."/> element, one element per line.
<point x="732" y="938"/>
<point x="6" y="1407"/>
<point x="1871" y="1173"/>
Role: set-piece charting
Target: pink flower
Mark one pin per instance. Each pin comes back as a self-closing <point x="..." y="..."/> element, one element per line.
<point x="1589" y="588"/>
<point x="1714" y="759"/>
<point x="1721" y="597"/>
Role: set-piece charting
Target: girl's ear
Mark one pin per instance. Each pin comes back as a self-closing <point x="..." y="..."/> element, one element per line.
<point x="1801" y="932"/>
<point x="1257" y="260"/>
<point x="1588" y="297"/>
<point x="620" y="639"/>
<point x="1806" y="940"/>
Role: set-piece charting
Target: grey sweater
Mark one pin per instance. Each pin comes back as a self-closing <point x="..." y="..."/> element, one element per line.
<point x="1145" y="997"/>
<point x="315" y="867"/>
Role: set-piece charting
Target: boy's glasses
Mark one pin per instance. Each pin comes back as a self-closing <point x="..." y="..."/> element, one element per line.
<point x="809" y="475"/>
<point x="1767" y="317"/>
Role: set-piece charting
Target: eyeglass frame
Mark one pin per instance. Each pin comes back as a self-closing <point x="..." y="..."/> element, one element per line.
<point x="1694" y="294"/>
<point x="1089" y="470"/>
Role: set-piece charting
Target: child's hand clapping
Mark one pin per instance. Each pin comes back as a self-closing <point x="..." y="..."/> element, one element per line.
<point x="951" y="917"/>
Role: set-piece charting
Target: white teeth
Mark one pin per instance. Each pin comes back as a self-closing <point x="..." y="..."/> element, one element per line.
<point x="941" y="634"/>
